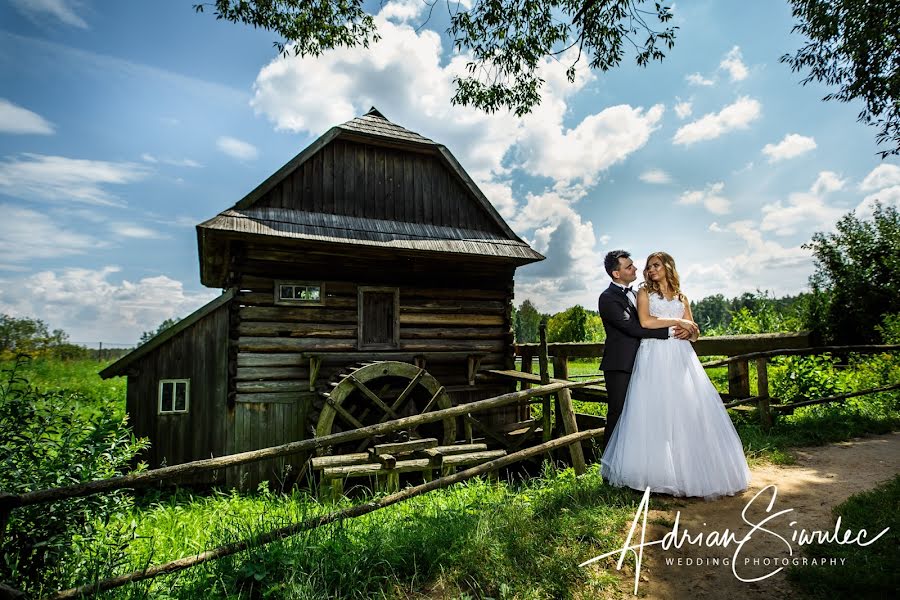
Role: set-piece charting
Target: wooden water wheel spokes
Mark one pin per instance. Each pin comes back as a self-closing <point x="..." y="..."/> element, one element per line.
<point x="377" y="392"/>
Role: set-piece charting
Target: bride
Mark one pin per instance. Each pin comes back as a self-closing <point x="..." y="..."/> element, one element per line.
<point x="674" y="435"/>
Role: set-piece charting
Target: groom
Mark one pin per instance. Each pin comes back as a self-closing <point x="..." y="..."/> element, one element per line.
<point x="618" y="310"/>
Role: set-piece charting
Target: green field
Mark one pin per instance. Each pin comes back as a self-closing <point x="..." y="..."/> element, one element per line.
<point x="512" y="539"/>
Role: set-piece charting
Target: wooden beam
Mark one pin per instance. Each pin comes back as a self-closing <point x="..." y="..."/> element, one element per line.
<point x="567" y="412"/>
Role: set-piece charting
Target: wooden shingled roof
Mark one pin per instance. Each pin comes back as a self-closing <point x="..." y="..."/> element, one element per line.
<point x="281" y="206"/>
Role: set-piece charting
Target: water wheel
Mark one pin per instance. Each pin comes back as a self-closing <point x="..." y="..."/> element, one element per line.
<point x="372" y="393"/>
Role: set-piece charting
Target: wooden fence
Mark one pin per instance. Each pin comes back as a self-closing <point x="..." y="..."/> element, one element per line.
<point x="9" y="502"/>
<point x="739" y="350"/>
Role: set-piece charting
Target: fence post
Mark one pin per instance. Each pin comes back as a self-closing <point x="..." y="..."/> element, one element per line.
<point x="739" y="379"/>
<point x="567" y="412"/>
<point x="762" y="388"/>
<point x="543" y="359"/>
<point x="527" y="367"/>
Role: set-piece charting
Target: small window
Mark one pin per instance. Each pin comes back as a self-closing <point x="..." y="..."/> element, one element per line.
<point x="378" y="318"/>
<point x="174" y="395"/>
<point x="298" y="292"/>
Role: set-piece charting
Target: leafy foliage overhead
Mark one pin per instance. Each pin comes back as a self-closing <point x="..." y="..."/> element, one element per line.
<point x="854" y="45"/>
<point x="507" y="40"/>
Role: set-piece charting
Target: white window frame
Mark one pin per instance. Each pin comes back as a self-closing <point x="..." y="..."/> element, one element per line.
<point x="187" y="396"/>
<point x="295" y="301"/>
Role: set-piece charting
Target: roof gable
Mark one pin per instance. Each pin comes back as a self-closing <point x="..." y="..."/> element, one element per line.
<point x="372" y="168"/>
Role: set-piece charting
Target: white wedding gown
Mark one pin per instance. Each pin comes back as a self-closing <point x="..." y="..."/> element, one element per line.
<point x="674" y="436"/>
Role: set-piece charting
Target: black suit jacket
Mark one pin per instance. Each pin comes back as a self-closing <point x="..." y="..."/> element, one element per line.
<point x="623" y="330"/>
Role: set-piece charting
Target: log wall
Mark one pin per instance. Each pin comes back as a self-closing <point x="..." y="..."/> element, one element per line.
<point x="198" y="353"/>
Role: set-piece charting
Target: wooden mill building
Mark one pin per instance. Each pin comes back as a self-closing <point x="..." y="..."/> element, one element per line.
<point x="372" y="244"/>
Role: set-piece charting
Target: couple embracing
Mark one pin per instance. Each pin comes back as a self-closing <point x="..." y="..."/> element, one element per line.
<point x="666" y="428"/>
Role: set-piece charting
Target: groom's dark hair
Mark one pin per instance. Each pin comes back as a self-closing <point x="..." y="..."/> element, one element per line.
<point x="611" y="262"/>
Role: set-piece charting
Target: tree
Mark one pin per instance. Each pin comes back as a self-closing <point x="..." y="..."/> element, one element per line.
<point x="507" y="39"/>
<point x="859" y="266"/>
<point x="528" y="320"/>
<point x="854" y="45"/>
<point x="568" y="326"/>
<point x="149" y="335"/>
<point x="24" y="335"/>
<point x="711" y="312"/>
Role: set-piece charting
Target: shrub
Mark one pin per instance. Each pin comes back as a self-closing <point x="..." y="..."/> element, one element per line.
<point x="46" y="442"/>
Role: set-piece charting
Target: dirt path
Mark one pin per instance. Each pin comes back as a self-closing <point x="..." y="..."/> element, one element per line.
<point x="822" y="478"/>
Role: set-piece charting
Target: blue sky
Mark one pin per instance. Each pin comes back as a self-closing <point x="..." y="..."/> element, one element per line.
<point x="124" y="124"/>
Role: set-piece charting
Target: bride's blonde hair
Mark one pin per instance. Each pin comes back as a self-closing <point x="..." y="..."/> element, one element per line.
<point x="670" y="273"/>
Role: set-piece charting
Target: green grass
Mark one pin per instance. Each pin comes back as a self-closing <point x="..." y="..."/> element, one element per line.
<point x="477" y="540"/>
<point x="867" y="572"/>
<point x="481" y="539"/>
<point x="78" y="376"/>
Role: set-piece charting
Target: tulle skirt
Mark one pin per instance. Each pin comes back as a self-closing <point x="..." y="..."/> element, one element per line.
<point x="674" y="436"/>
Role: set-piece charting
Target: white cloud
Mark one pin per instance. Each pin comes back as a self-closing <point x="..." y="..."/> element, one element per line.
<point x="738" y="115"/>
<point x="403" y="10"/>
<point x="807" y="209"/>
<point x="889" y="196"/>
<point x="236" y="148"/>
<point x="764" y="264"/>
<point x="882" y="176"/>
<point x="657" y="176"/>
<point x="60" y="178"/>
<point x="26" y="235"/>
<point x="406" y="73"/>
<point x="733" y="63"/>
<point x="18" y="120"/>
<point x="698" y="79"/>
<point x="131" y="230"/>
<point x="598" y="142"/>
<point x="58" y="9"/>
<point x="710" y="197"/>
<point x="683" y="109"/>
<point x="90" y="307"/>
<point x="827" y="181"/>
<point x="791" y="146"/>
<point x="180" y="162"/>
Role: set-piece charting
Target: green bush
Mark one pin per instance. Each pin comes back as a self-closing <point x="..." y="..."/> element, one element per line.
<point x="796" y="378"/>
<point x="46" y="441"/>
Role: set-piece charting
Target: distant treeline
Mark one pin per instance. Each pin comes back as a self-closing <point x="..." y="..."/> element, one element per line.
<point x="854" y="295"/>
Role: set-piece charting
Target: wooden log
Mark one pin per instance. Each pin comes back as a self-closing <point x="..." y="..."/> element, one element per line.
<point x="762" y="390"/>
<point x="527" y="368"/>
<point x="836" y="398"/>
<point x="339" y="460"/>
<point x="472" y="346"/>
<point x="275" y="397"/>
<point x="315" y="522"/>
<point x="296" y="314"/>
<point x="861" y="349"/>
<point x="153" y="476"/>
<point x="268" y="299"/>
<point x="452" y="333"/>
<point x="430" y="356"/>
<point x="255" y="373"/>
<point x="244" y="387"/>
<point x="375" y="468"/>
<point x="466" y="320"/>
<point x="388" y="461"/>
<point x="567" y="412"/>
<point x="290" y="359"/>
<point x="268" y="344"/>
<point x="545" y="379"/>
<point x="294" y="330"/>
<point x="401" y="448"/>
<point x="472" y="458"/>
<point x="739" y="379"/>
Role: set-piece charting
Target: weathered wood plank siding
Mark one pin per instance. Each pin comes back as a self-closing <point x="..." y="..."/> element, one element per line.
<point x="365" y="180"/>
<point x="472" y="317"/>
<point x="198" y="353"/>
